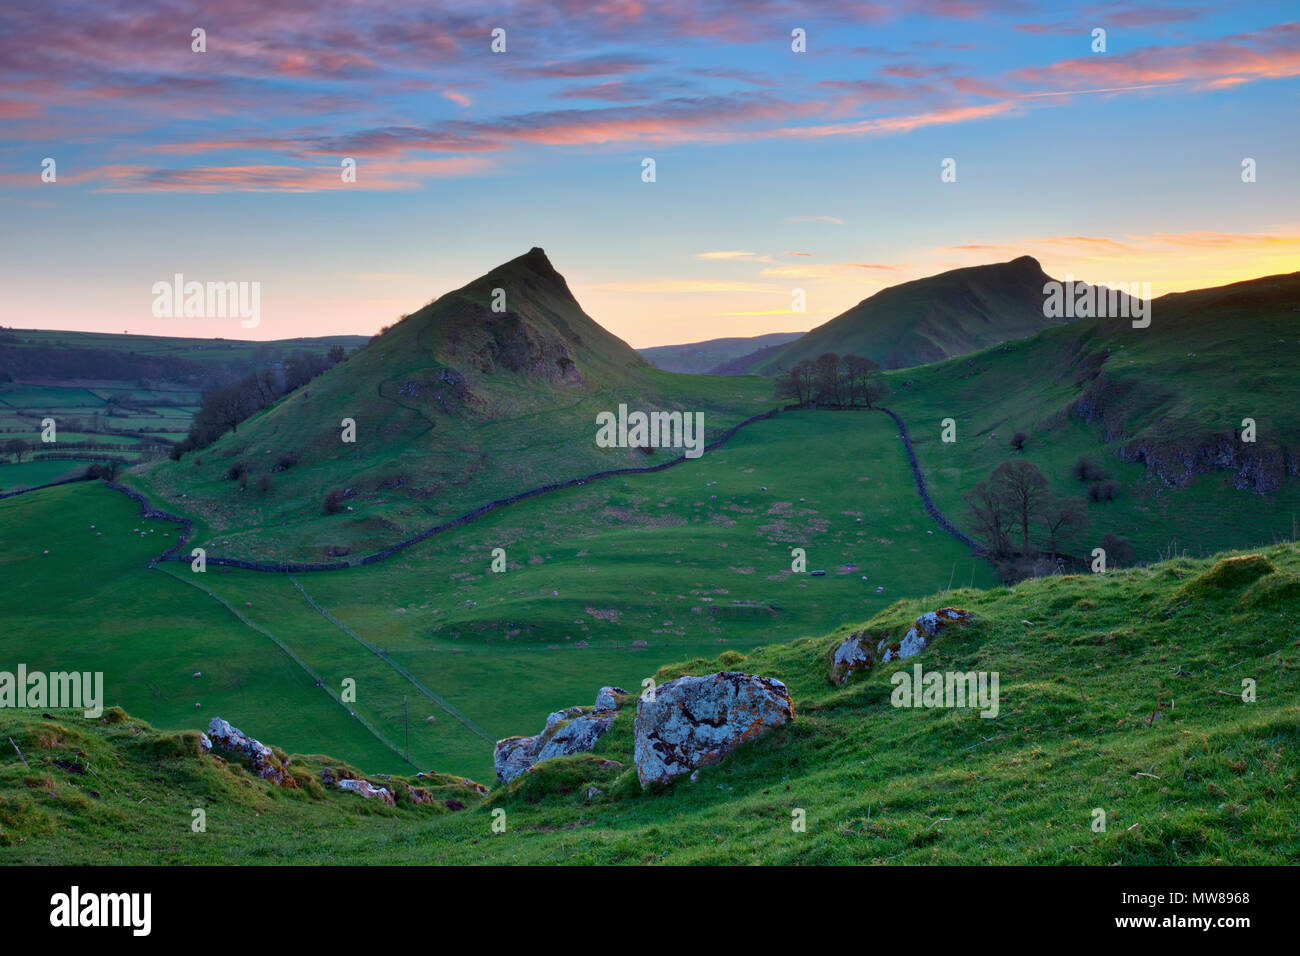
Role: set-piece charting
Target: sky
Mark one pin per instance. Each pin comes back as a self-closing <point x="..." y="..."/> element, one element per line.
<point x="779" y="173"/>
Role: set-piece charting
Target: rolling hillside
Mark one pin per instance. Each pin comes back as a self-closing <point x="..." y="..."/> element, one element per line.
<point x="927" y="320"/>
<point x="1160" y="409"/>
<point x="1119" y="692"/>
<point x="455" y="406"/>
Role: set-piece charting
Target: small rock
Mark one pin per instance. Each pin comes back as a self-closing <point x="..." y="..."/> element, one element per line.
<point x="918" y="636"/>
<point x="853" y="654"/>
<point x="368" y="790"/>
<point x="264" y="762"/>
<point x="607" y="698"/>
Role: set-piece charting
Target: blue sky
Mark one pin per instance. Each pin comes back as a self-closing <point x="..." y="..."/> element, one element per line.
<point x="775" y="170"/>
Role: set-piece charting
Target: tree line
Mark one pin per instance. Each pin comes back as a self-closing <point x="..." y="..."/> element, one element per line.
<point x="842" y="381"/>
<point x="224" y="408"/>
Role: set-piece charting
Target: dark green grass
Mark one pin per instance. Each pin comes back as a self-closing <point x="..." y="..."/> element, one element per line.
<point x="91" y="604"/>
<point x="1120" y="694"/>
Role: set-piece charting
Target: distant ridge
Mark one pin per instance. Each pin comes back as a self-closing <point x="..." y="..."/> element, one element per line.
<point x="710" y="356"/>
<point x="926" y="320"/>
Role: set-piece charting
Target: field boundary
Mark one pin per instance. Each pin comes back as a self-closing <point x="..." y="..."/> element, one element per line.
<point x="924" y="492"/>
<point x="320" y="681"/>
<point x="52" y="484"/>
<point x="383" y="655"/>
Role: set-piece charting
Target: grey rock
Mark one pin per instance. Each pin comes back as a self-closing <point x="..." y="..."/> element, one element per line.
<point x="368" y="790"/>
<point x="264" y="762"/>
<point x="923" y="629"/>
<point x="578" y="736"/>
<point x="607" y="698"/>
<point x="854" y="653"/>
<point x="696" y="721"/>
<point x="569" y="731"/>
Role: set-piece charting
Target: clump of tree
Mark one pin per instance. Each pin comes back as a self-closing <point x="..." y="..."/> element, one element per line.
<point x="1018" y="440"/>
<point x="1086" y="470"/>
<point x="838" y="381"/>
<point x="1104" y="490"/>
<point x="1016" y="515"/>
<point x="17" y="447"/>
<point x="333" y="503"/>
<point x="224" y="408"/>
<point x="108" y="471"/>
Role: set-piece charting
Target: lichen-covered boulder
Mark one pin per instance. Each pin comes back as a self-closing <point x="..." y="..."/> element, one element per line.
<point x="573" y="730"/>
<point x="696" y="721"/>
<point x="559" y="717"/>
<point x="368" y="790"/>
<point x="918" y="637"/>
<point x="609" y="698"/>
<point x="857" y="652"/>
<point x="264" y="762"/>
<point x="205" y="743"/>
<point x="513" y="756"/>
<point x="578" y="736"/>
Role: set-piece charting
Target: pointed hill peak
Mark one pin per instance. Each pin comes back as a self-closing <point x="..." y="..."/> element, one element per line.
<point x="519" y="317"/>
<point x="530" y="273"/>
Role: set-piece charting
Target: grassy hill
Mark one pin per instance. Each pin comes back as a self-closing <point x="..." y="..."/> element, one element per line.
<point x="928" y="319"/>
<point x="1120" y="692"/>
<point x="700" y="358"/>
<point x="1160" y="408"/>
<point x="687" y="561"/>
<point x="455" y="406"/>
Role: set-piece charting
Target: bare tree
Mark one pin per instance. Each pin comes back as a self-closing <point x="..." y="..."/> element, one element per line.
<point x="805" y="373"/>
<point x="791" y="384"/>
<point x="988" y="516"/>
<point x="1063" y="514"/>
<point x="829" y="383"/>
<point x="858" y="372"/>
<point x="1023" y="490"/>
